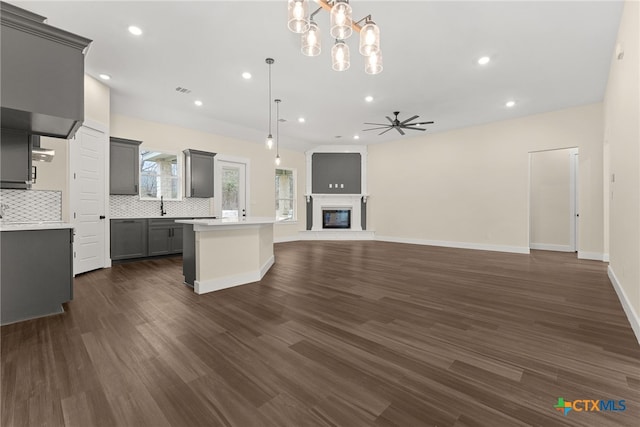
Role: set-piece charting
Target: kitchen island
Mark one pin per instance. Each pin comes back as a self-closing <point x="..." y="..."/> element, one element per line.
<point x="221" y="253"/>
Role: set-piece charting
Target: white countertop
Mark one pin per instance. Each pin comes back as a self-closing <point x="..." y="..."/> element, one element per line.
<point x="203" y="224"/>
<point x="41" y="225"/>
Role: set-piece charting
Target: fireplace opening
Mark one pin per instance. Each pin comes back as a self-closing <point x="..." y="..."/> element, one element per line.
<point x="336" y="218"/>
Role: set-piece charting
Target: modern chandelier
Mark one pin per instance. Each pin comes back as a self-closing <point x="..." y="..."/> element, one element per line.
<point x="342" y="26"/>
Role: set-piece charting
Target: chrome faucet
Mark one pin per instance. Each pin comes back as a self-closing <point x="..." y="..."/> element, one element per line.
<point x="162" y="211"/>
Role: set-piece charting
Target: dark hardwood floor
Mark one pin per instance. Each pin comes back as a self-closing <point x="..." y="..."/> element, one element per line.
<point x="337" y="334"/>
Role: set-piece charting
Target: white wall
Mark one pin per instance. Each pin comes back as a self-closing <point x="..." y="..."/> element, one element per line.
<point x="622" y="135"/>
<point x="470" y="187"/>
<point x="550" y="200"/>
<point x="262" y="175"/>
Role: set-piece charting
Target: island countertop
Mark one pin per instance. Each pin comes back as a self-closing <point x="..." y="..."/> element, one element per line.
<point x="208" y="224"/>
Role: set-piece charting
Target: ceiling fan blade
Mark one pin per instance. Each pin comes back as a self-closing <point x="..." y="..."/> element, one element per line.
<point x="378" y="124"/>
<point x="408" y="120"/>
<point x="385" y="131"/>
<point x="419" y="123"/>
<point x="383" y="127"/>
<point x="399" y="130"/>
<point x="389" y="118"/>
<point x="412" y="128"/>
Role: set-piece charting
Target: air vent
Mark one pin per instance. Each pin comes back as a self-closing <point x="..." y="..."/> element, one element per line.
<point x="183" y="90"/>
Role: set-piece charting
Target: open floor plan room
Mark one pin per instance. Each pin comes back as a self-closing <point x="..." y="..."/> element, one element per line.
<point x="336" y="334"/>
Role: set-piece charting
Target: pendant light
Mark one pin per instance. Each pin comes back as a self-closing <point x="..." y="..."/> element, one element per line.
<point x="341" y="19"/>
<point x="297" y="16"/>
<point x="277" y="101"/>
<point x="340" y="56"/>
<point x="269" y="141"/>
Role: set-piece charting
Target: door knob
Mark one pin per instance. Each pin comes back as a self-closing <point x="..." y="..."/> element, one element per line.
<point x="102" y="217"/>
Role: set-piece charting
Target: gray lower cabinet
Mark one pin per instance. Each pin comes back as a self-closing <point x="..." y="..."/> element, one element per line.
<point x="124" y="165"/>
<point x="36" y="274"/>
<point x="128" y="238"/>
<point x="165" y="237"/>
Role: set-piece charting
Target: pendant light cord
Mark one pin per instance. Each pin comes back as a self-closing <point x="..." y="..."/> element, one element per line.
<point x="277" y="101"/>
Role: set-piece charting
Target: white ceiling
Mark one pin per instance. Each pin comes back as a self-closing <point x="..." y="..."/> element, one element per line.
<point x="545" y="55"/>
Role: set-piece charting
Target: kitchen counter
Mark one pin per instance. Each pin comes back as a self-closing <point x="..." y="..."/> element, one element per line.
<point x="221" y="253"/>
<point x="38" y="225"/>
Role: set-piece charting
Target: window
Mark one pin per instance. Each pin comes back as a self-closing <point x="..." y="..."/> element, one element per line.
<point x="159" y="175"/>
<point x="285" y="195"/>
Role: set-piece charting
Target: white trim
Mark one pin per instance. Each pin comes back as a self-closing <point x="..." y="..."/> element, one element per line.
<point x="573" y="199"/>
<point x="605" y="257"/>
<point x="632" y="316"/>
<point x="550" y="247"/>
<point x="95" y="125"/>
<point x="202" y="287"/>
<point x="460" y="245"/>
<point x="286" y="239"/>
<point x="337" y="234"/>
<point x="596" y="256"/>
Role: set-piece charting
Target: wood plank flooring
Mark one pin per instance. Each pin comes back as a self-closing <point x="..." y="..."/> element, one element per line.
<point x="337" y="334"/>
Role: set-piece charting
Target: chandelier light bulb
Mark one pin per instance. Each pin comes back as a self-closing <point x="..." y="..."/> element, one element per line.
<point x="311" y="40"/>
<point x="341" y="20"/>
<point x="369" y="38"/>
<point x="340" y="55"/>
<point x="373" y="64"/>
<point x="269" y="142"/>
<point x="297" y="16"/>
<point x="278" y="160"/>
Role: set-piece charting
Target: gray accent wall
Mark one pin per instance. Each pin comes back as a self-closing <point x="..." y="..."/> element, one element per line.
<point x="336" y="173"/>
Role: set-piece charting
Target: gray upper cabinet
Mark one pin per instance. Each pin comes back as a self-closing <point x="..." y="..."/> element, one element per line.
<point x="124" y="166"/>
<point x="42" y="75"/>
<point x="198" y="173"/>
<point x="336" y="173"/>
<point x="15" y="157"/>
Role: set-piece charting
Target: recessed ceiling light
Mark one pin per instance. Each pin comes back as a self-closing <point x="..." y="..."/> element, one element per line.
<point x="198" y="102"/>
<point x="368" y="98"/>
<point x="356" y="136"/>
<point x="246" y="75"/>
<point x="301" y="120"/>
<point x="136" y="31"/>
<point x="484" y="60"/>
<point x="105" y="76"/>
<point x="510" y="103"/>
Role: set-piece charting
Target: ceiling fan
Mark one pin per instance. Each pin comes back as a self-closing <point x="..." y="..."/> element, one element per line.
<point x="398" y="125"/>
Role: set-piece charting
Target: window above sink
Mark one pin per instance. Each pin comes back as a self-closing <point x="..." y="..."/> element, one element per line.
<point x="160" y="175"/>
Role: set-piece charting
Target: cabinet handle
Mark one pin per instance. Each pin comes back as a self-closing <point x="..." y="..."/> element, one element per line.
<point x="136" y="187"/>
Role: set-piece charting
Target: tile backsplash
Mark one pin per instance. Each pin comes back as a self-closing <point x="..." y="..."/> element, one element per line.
<point x="31" y="205"/>
<point x="133" y="207"/>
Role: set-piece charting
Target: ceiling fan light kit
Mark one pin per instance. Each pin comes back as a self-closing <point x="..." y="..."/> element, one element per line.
<point x="300" y="21"/>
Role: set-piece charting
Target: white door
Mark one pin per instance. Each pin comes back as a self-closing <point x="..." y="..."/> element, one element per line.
<point x="232" y="189"/>
<point x="87" y="164"/>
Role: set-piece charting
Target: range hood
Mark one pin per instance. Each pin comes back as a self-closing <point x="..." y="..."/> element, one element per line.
<point x="39" y="154"/>
<point x="42" y="75"/>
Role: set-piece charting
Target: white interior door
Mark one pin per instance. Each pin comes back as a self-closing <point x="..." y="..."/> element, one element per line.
<point x="232" y="188"/>
<point x="87" y="188"/>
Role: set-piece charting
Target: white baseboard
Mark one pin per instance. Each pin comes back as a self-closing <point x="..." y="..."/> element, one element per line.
<point x="204" y="286"/>
<point x="286" y="239"/>
<point x="632" y="316"/>
<point x="605" y="257"/>
<point x="459" y="245"/>
<point x="550" y="247"/>
<point x="596" y="256"/>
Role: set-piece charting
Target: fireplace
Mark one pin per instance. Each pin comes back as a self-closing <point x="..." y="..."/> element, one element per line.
<point x="336" y="218"/>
